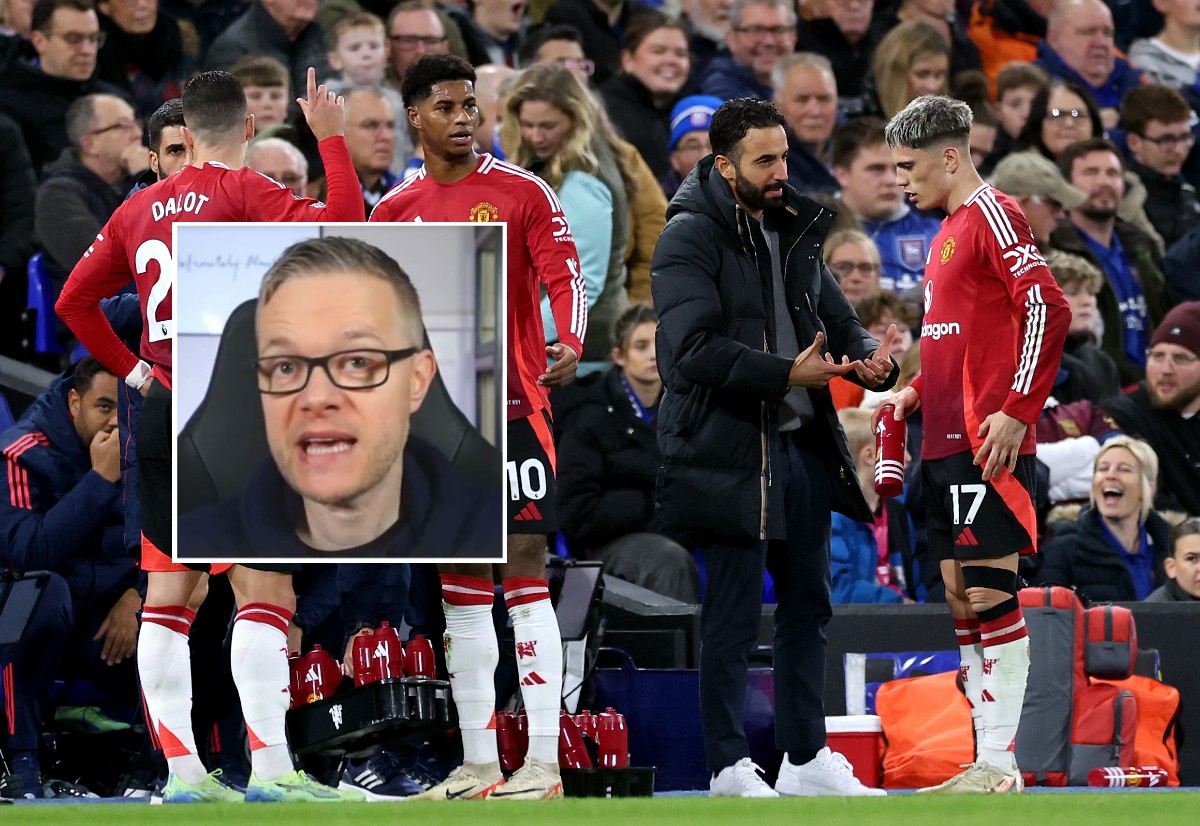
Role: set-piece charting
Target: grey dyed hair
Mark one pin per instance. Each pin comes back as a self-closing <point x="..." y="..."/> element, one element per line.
<point x="929" y="120"/>
<point x="739" y="6"/>
<point x="811" y="60"/>
<point x="1147" y="460"/>
<point x="337" y="256"/>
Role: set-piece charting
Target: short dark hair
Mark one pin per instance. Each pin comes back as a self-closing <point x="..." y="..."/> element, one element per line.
<point x="214" y="105"/>
<point x="647" y="24"/>
<point x="735" y="118"/>
<point x="169" y="114"/>
<point x="1153" y="101"/>
<point x="853" y="137"/>
<point x="1075" y="151"/>
<point x="639" y="313"/>
<point x="418" y="81"/>
<point x="1188" y="527"/>
<point x="527" y="53"/>
<point x="43" y="10"/>
<point x="86" y="370"/>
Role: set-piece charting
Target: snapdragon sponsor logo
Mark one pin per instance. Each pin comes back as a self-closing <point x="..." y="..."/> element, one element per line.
<point x="936" y="331"/>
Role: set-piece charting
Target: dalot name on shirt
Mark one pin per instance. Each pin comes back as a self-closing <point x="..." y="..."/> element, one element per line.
<point x="191" y="202"/>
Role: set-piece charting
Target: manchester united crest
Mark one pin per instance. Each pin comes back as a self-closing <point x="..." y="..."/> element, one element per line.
<point x="947" y="249"/>
<point x="484" y="212"/>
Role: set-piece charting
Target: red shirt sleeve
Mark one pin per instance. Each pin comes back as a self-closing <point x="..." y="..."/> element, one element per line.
<point x="267" y="200"/>
<point x="100" y="273"/>
<point x="1041" y="311"/>
<point x="556" y="262"/>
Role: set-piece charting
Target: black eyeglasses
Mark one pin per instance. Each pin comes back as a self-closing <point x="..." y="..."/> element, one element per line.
<point x="411" y="41"/>
<point x="347" y="369"/>
<point x="128" y="125"/>
<point x="1171" y="141"/>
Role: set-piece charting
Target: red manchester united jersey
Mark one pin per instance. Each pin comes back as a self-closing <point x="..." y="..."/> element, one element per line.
<point x="994" y="326"/>
<point x="539" y="249"/>
<point x="135" y="245"/>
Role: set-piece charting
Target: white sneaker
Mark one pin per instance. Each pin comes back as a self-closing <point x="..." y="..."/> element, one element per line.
<point x="829" y="774"/>
<point x="740" y="780"/>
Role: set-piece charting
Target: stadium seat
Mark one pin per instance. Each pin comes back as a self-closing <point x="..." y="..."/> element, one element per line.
<point x="40" y="299"/>
<point x="224" y="440"/>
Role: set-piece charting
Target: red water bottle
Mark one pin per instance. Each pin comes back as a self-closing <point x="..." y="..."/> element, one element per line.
<point x="572" y="752"/>
<point x="1135" y="776"/>
<point x="296" y="680"/>
<point x="366" y="664"/>
<point x="322" y="675"/>
<point x="585" y="721"/>
<point x="889" y="452"/>
<point x="512" y="739"/>
<point x="389" y="652"/>
<point x="613" y="738"/>
<point x="419" y="661"/>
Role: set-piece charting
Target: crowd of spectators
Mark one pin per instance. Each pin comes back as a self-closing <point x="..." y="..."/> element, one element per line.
<point x="1085" y="112"/>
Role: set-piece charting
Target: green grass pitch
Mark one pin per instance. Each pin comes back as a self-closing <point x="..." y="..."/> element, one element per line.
<point x="1131" y="808"/>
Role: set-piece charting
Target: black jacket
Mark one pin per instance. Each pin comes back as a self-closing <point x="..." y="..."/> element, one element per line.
<point x="1171" y="203"/>
<point x="1086" y="372"/>
<point x="445" y="515"/>
<point x="716" y="353"/>
<point x="1142" y="253"/>
<point x="1083" y="558"/>
<point x="72" y="205"/>
<point x="607" y="462"/>
<point x="1175" y="439"/>
<point x="38" y="103"/>
<point x="16" y="202"/>
<point x="631" y="108"/>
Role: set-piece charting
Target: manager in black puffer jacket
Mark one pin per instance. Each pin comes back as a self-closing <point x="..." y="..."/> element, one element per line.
<point x="753" y="456"/>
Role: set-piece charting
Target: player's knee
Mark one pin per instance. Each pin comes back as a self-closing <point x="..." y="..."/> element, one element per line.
<point x="198" y="595"/>
<point x="989" y="589"/>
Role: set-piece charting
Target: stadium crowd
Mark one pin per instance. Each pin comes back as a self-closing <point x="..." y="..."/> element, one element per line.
<point x="1084" y="112"/>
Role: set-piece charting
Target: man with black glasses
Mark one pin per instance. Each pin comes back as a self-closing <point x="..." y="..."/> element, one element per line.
<point x="341" y="369"/>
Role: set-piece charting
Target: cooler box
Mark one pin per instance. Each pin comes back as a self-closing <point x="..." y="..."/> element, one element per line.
<point x="860" y="738"/>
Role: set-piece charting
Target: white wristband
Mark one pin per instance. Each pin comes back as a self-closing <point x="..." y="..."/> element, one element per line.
<point x="138" y="376"/>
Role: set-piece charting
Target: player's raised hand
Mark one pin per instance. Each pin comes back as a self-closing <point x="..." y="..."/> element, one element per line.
<point x="812" y="369"/>
<point x="1002" y="437"/>
<point x="562" y="371"/>
<point x="878" y="367"/>
<point x="324" y="110"/>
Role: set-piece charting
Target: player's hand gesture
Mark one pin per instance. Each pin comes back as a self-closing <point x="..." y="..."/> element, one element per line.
<point x="812" y="369"/>
<point x="324" y="110"/>
<point x="878" y="367"/>
<point x="562" y="371"/>
<point x="1001" y="444"/>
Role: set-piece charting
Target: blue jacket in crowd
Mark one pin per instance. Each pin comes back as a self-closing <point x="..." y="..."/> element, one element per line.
<point x="1124" y="77"/>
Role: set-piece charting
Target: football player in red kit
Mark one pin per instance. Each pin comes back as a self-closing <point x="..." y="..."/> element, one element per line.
<point x="991" y="339"/>
<point x="135" y="245"/>
<point x="459" y="184"/>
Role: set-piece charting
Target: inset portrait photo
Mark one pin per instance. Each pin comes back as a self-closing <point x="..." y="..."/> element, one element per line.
<point x="337" y="393"/>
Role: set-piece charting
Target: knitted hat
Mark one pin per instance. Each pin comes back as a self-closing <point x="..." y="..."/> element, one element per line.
<point x="691" y="114"/>
<point x="1180" y="326"/>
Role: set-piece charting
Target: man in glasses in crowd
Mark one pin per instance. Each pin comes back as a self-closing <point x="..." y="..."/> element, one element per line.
<point x="1162" y="410"/>
<point x="341" y="368"/>
<point x="36" y="94"/>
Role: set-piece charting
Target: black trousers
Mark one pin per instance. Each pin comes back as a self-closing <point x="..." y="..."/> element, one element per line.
<point x="731" y="615"/>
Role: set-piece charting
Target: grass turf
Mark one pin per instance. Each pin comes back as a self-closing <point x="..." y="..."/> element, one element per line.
<point x="1126" y="809"/>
